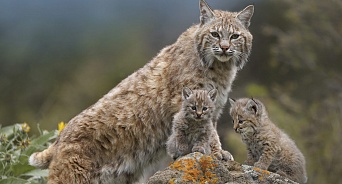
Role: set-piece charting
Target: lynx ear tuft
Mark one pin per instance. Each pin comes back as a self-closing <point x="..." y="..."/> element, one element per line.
<point x="206" y="12"/>
<point x="186" y="93"/>
<point x="245" y="15"/>
<point x="212" y="94"/>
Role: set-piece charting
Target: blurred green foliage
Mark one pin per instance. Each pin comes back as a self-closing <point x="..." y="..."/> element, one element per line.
<point x="55" y="62"/>
<point x="15" y="148"/>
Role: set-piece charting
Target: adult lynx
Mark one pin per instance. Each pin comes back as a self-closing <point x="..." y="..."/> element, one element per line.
<point x="192" y="127"/>
<point x="268" y="147"/>
<point x="115" y="139"/>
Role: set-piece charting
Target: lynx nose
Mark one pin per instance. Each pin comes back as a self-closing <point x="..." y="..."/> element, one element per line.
<point x="224" y="48"/>
<point x="236" y="128"/>
<point x="199" y="114"/>
<point x="224" y="45"/>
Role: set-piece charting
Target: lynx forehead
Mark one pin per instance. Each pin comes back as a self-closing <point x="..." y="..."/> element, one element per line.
<point x="115" y="139"/>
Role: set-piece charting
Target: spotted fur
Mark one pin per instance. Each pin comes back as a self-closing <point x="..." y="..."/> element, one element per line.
<point x="193" y="129"/>
<point x="115" y="139"/>
<point x="268" y="147"/>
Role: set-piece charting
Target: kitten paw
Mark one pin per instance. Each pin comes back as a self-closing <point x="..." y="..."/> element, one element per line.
<point x="199" y="149"/>
<point x="226" y="155"/>
<point x="223" y="155"/>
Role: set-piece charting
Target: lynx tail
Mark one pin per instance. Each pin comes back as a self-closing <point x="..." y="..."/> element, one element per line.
<point x="42" y="159"/>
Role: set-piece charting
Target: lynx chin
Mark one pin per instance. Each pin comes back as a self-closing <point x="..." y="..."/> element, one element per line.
<point x="268" y="147"/>
<point x="114" y="140"/>
<point x="193" y="128"/>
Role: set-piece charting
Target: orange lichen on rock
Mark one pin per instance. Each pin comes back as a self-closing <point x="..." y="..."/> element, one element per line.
<point x="196" y="171"/>
<point x="206" y="163"/>
<point x="262" y="172"/>
<point x="257" y="169"/>
<point x="188" y="166"/>
<point x="172" y="181"/>
<point x="265" y="172"/>
<point x="183" y="164"/>
<point x="207" y="166"/>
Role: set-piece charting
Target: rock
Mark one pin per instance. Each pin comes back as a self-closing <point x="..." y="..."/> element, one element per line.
<point x="199" y="168"/>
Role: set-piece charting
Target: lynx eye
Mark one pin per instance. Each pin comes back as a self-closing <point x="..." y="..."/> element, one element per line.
<point x="205" y="108"/>
<point x="240" y="121"/>
<point x="234" y="36"/>
<point x="215" y="34"/>
<point x="193" y="108"/>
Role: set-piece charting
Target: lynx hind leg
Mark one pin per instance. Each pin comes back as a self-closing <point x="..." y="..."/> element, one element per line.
<point x="72" y="165"/>
<point x="172" y="149"/>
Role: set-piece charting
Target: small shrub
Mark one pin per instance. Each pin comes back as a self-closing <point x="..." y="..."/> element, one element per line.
<point x="16" y="146"/>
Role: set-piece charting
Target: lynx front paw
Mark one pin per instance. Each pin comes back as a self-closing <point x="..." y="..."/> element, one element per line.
<point x="199" y="149"/>
<point x="226" y="155"/>
<point x="223" y="155"/>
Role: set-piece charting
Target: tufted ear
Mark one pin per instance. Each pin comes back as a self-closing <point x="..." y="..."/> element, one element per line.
<point x="231" y="101"/>
<point x="212" y="94"/>
<point x="253" y="106"/>
<point x="206" y="12"/>
<point x="186" y="93"/>
<point x="245" y="15"/>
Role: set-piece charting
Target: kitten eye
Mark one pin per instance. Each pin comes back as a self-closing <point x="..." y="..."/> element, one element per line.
<point x="240" y="121"/>
<point x="204" y="108"/>
<point x="215" y="34"/>
<point x="193" y="108"/>
<point x="234" y="36"/>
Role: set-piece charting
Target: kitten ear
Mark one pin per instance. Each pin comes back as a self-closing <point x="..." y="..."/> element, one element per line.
<point x="186" y="93"/>
<point x="245" y="15"/>
<point x="206" y="12"/>
<point x="212" y="94"/>
<point x="231" y="101"/>
<point x="253" y="106"/>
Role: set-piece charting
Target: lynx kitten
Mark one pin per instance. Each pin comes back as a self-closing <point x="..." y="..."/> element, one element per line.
<point x="115" y="139"/>
<point x="268" y="147"/>
<point x="192" y="125"/>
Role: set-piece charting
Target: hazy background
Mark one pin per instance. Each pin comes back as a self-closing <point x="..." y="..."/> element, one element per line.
<point x="59" y="57"/>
